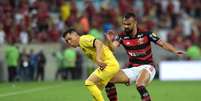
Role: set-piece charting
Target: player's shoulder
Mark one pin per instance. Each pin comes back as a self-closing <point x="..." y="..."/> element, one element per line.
<point x="87" y="37"/>
<point x="150" y="34"/>
<point x="143" y="31"/>
<point x="146" y="33"/>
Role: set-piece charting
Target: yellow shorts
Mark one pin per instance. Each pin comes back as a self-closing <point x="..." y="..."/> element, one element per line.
<point x="108" y="73"/>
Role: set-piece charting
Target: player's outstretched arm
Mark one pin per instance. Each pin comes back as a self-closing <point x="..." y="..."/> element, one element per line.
<point x="170" y="48"/>
<point x="111" y="42"/>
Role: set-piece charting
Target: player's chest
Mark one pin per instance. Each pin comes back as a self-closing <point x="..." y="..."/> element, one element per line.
<point x="140" y="39"/>
<point x="89" y="52"/>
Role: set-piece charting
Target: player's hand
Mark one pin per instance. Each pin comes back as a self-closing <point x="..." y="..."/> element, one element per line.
<point x="110" y="35"/>
<point x="101" y="64"/>
<point x="180" y="53"/>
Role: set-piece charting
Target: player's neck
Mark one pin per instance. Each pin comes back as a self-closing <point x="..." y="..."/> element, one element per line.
<point x="134" y="31"/>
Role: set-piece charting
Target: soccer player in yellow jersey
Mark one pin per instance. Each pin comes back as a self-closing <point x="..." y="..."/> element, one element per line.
<point x="100" y="54"/>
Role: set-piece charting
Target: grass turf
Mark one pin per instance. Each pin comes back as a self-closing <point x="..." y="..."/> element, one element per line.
<point x="75" y="91"/>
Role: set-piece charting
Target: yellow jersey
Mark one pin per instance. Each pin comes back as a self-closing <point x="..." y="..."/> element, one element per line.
<point x="87" y="45"/>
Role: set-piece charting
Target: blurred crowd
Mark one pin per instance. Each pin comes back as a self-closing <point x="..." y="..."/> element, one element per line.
<point x="69" y="64"/>
<point x="23" y="65"/>
<point x="29" y="21"/>
<point x="28" y="65"/>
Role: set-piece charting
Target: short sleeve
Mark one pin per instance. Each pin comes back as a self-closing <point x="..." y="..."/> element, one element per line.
<point x="153" y="37"/>
<point x="87" y="41"/>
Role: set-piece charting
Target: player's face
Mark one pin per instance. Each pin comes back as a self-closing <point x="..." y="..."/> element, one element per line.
<point x="129" y="24"/>
<point x="72" y="39"/>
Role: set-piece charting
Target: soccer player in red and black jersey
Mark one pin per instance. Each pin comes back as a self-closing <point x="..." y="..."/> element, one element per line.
<point x="138" y="47"/>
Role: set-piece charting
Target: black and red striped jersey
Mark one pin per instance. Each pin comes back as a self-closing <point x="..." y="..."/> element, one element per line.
<point x="138" y="47"/>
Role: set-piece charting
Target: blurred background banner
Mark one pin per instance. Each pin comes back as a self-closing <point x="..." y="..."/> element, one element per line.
<point x="180" y="70"/>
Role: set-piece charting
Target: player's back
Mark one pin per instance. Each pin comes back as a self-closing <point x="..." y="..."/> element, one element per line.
<point x="87" y="44"/>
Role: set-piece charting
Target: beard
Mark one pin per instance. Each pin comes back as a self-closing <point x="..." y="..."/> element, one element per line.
<point x="128" y="31"/>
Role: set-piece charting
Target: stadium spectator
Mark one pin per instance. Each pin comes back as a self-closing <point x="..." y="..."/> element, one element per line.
<point x="65" y="12"/>
<point x="24" y="64"/>
<point x="90" y="11"/>
<point x="12" y="57"/>
<point x="24" y="36"/>
<point x="193" y="52"/>
<point x="79" y="66"/>
<point x="40" y="71"/>
<point x="96" y="33"/>
<point x="69" y="59"/>
<point x="85" y="24"/>
<point x="42" y="20"/>
<point x="2" y="35"/>
<point x="125" y="6"/>
<point x="33" y="63"/>
<point x="60" y="67"/>
<point x="42" y="36"/>
<point x="54" y="33"/>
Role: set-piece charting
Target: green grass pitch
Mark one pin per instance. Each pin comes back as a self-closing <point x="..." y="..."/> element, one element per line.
<point x="75" y="91"/>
